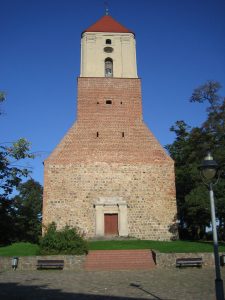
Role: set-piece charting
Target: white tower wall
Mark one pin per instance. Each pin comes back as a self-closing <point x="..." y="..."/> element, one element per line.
<point x="123" y="55"/>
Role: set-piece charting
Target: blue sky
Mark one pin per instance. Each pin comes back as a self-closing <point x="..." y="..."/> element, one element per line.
<point x="180" y="45"/>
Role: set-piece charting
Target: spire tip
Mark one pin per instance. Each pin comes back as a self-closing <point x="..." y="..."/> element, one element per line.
<point x="106" y="8"/>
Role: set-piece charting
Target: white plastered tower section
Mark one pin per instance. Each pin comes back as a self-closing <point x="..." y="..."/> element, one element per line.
<point x="96" y="47"/>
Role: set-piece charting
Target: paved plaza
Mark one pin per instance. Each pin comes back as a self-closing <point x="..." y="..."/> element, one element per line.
<point x="160" y="284"/>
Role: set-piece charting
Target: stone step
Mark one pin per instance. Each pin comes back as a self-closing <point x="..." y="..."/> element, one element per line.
<point x="97" y="260"/>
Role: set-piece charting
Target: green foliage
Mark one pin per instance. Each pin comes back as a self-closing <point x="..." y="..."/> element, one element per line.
<point x="2" y="96"/>
<point x="197" y="207"/>
<point x="28" y="211"/>
<point x="20" y="149"/>
<point x="65" y="241"/>
<point x="188" y="149"/>
<point x="220" y="208"/>
<point x="20" y="249"/>
<point x="20" y="217"/>
<point x="11" y="173"/>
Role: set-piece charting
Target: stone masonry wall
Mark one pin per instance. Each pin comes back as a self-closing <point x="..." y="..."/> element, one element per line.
<point x="76" y="263"/>
<point x="72" y="191"/>
<point x="166" y="260"/>
<point x="71" y="262"/>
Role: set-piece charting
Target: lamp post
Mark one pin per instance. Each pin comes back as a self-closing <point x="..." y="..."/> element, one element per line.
<point x="209" y="171"/>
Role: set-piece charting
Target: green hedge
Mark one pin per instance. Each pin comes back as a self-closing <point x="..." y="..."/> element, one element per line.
<point x="64" y="241"/>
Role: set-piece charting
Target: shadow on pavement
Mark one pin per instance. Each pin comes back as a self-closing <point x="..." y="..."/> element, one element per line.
<point x="15" y="291"/>
<point x="138" y="286"/>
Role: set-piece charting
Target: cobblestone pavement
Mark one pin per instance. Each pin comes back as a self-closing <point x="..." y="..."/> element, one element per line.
<point x="156" y="284"/>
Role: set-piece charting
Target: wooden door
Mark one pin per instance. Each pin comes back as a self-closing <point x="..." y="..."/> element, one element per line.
<point x="111" y="224"/>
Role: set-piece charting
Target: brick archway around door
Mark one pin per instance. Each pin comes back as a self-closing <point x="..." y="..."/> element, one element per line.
<point x="111" y="206"/>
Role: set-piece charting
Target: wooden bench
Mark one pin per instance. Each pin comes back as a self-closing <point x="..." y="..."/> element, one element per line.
<point x="50" y="264"/>
<point x="189" y="262"/>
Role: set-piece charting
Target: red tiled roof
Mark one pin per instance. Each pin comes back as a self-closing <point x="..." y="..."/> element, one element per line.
<point x="107" y="24"/>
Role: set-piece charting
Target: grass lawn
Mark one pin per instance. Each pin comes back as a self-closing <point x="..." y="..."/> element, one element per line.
<point x="27" y="249"/>
<point x="164" y="247"/>
<point x="19" y="249"/>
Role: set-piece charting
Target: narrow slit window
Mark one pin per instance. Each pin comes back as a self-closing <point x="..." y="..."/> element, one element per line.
<point x="121" y="102"/>
<point x="108" y="102"/>
<point x="123" y="134"/>
<point x="97" y="102"/>
<point x="97" y="134"/>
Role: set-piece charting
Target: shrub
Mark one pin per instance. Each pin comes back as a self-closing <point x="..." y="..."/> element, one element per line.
<point x="64" y="241"/>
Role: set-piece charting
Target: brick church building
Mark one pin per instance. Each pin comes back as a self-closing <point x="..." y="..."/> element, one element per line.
<point x="109" y="176"/>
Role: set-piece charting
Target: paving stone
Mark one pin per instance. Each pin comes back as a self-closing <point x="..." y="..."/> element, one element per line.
<point x="161" y="284"/>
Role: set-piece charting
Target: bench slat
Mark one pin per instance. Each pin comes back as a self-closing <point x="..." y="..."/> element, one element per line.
<point x="191" y="258"/>
<point x="50" y="261"/>
<point x="50" y="264"/>
<point x="197" y="261"/>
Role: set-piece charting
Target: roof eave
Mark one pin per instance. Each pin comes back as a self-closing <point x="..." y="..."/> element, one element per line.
<point x="107" y="32"/>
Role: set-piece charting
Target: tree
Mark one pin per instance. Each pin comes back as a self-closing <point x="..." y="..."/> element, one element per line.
<point x="179" y="151"/>
<point x="214" y="131"/>
<point x="11" y="175"/>
<point x="27" y="206"/>
<point x="197" y="212"/>
<point x="187" y="150"/>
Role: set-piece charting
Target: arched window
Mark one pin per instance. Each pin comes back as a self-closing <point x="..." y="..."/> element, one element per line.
<point x="108" y="42"/>
<point x="108" y="67"/>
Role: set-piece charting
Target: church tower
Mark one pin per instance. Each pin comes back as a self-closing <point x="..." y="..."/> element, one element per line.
<point x="109" y="176"/>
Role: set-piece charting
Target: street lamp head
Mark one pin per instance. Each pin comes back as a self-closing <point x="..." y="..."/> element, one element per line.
<point x="209" y="167"/>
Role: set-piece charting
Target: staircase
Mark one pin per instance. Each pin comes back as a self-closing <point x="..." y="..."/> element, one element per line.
<point x="107" y="260"/>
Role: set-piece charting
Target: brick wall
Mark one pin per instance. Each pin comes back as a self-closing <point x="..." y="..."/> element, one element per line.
<point x="122" y="135"/>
